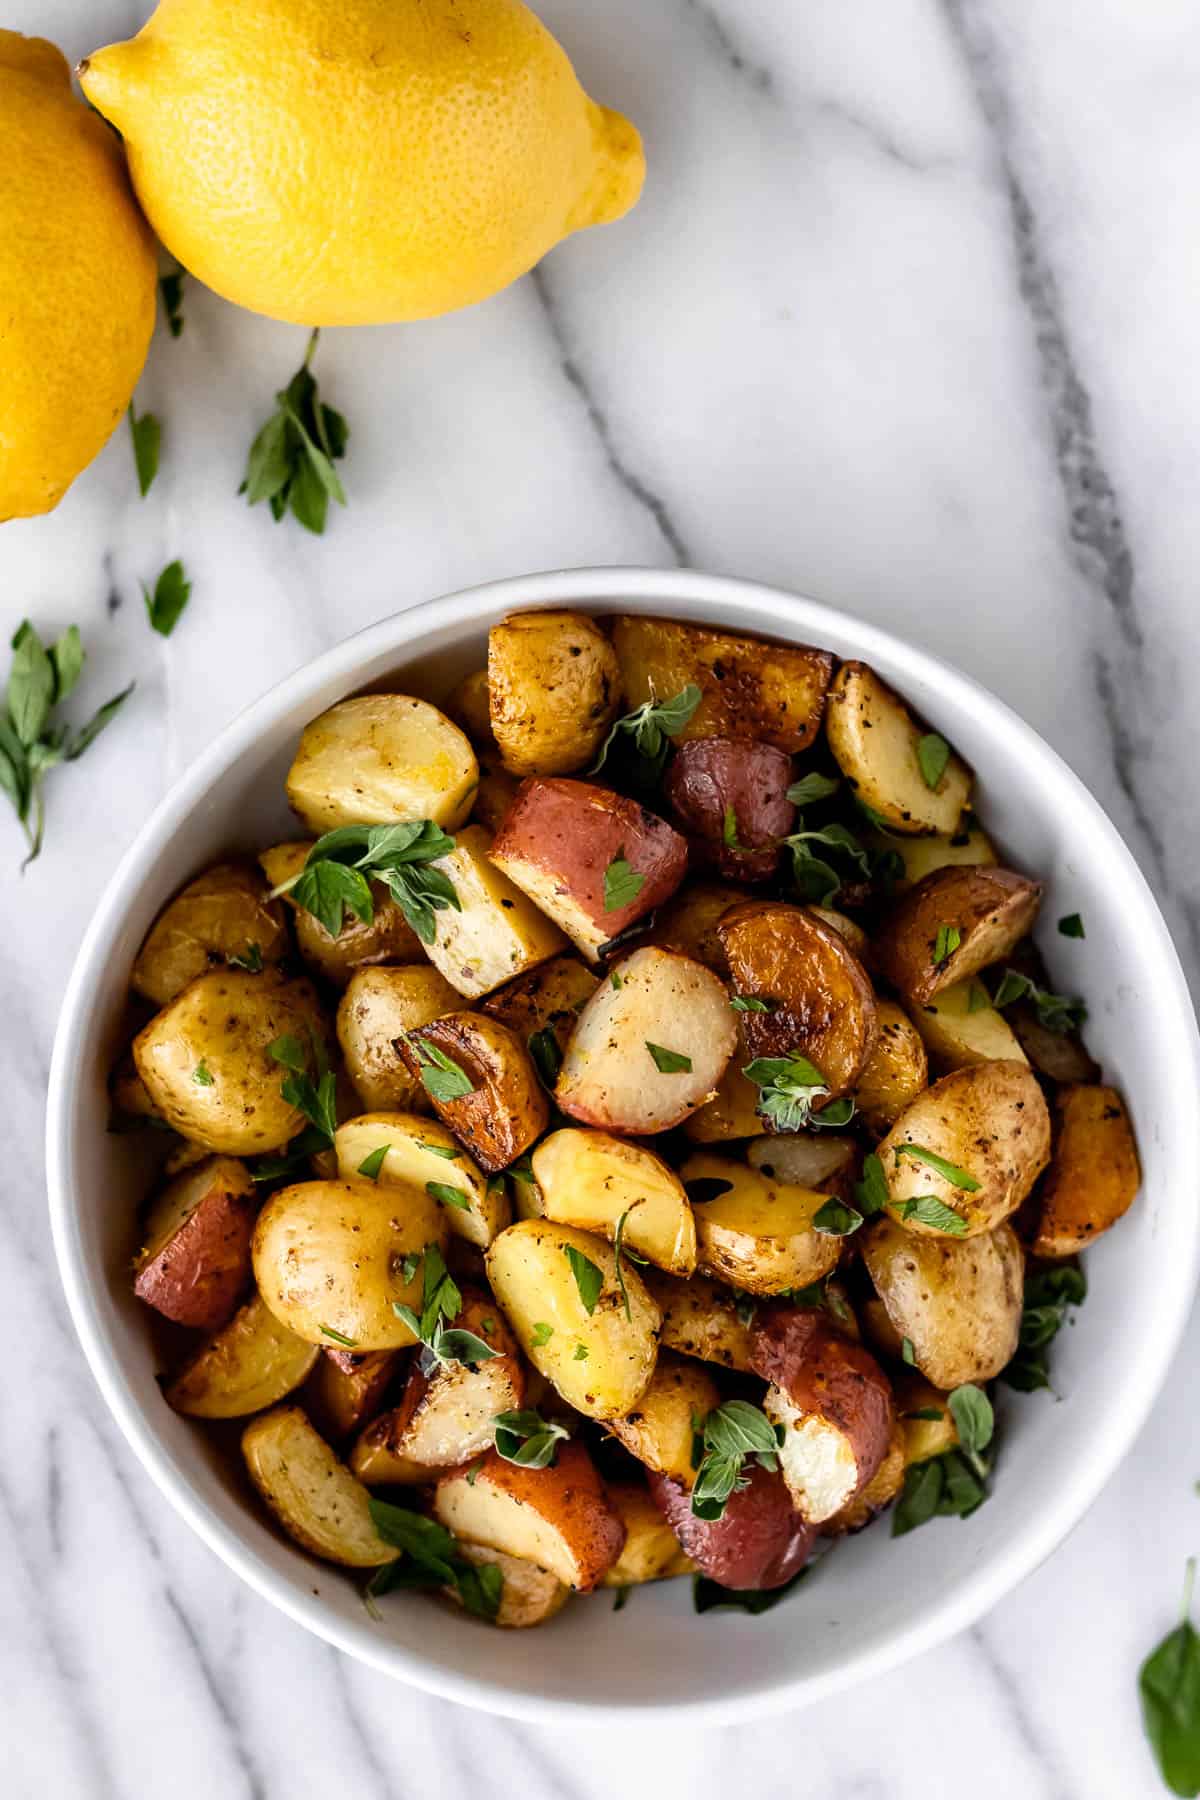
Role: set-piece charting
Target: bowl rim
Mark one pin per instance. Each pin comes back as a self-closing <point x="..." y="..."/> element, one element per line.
<point x="801" y="619"/>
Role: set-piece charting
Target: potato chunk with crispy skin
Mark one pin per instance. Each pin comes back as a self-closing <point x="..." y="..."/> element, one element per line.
<point x="661" y="1429"/>
<point x="554" y="688"/>
<point x="315" y="1498"/>
<point x="558" y="1518"/>
<point x="195" y="1262"/>
<point x="951" y="925"/>
<point x="760" y="1540"/>
<point x="593" y="1180"/>
<point x="223" y="915"/>
<point x="877" y="743"/>
<point x="729" y="797"/>
<point x="755" y="1231"/>
<point x="382" y="759"/>
<point x="375" y="1014"/>
<point x="958" y="1302"/>
<point x="495" y="932"/>
<point x="701" y="1318"/>
<point x="252" y="1362"/>
<point x="483" y="1085"/>
<point x="1093" y="1176"/>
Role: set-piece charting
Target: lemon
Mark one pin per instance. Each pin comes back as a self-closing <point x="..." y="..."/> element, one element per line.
<point x="351" y="162"/>
<point x="77" y="280"/>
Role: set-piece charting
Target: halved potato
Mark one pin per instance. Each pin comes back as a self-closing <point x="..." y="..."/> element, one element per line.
<point x="497" y="932"/>
<point x="469" y="705"/>
<point x="848" y="928"/>
<point x="600" y="1360"/>
<point x="758" y="1233"/>
<point x="990" y="1123"/>
<point x="528" y="1596"/>
<point x="1059" y="1055"/>
<point x="879" y="1492"/>
<point x="896" y="1071"/>
<point x="314" y="1496"/>
<point x="554" y="688"/>
<point x="875" y="739"/>
<point x="376" y="1012"/>
<point x="732" y="1112"/>
<point x="128" y="1094"/>
<point x="760" y="1540"/>
<point x="382" y="759"/>
<point x="388" y="938"/>
<point x="969" y="847"/>
<point x="222" y="914"/>
<point x="958" y="1302"/>
<point x="929" y="1436"/>
<point x="252" y="1362"/>
<point x="661" y="1429"/>
<point x="1093" y="1176"/>
<point x="426" y="1154"/>
<point x="505" y="1108"/>
<point x="376" y="1464"/>
<point x="990" y="910"/>
<point x="347" y="1388"/>
<point x="549" y="998"/>
<point x="700" y="1318"/>
<point x="749" y="688"/>
<point x="960" y="1026"/>
<point x="651" y="1551"/>
<point x="822" y="1160"/>
<point x="558" y="1518"/>
<point x="729" y="798"/>
<point x="592" y="1180"/>
<point x="650" y="1047"/>
<point x="194" y="1264"/>
<point x="822" y="1004"/>
<point x="688" y="922"/>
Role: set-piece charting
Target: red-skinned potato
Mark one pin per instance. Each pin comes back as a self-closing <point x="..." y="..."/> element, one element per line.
<point x="195" y="1262"/>
<point x="729" y="798"/>
<point x="834" y="1403"/>
<point x="1093" y="1176"/>
<point x="760" y="1540"/>
<point x="990" y="909"/>
<point x="559" y="1517"/>
<point x="505" y="1109"/>
<point x="561" y="839"/>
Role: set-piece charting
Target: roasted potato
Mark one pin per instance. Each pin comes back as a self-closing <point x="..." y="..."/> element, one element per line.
<point x="651" y="1550"/>
<point x="329" y="1256"/>
<point x="749" y="688"/>
<point x="220" y="916"/>
<point x="346" y="1388"/>
<point x="969" y="847"/>
<point x="423" y="1153"/>
<point x="528" y="1596"/>
<point x="958" y="1302"/>
<point x="879" y="1492"/>
<point x="954" y="923"/>
<point x="483" y="1085"/>
<point x="599" y="1359"/>
<point x="495" y="794"/>
<point x="876" y="741"/>
<point x="896" y="1071"/>
<point x="821" y="1160"/>
<point x="688" y="922"/>
<point x="252" y="1362"/>
<point x="848" y="928"/>
<point x="923" y="1437"/>
<point x="206" y="1064"/>
<point x="389" y="938"/>
<point x="194" y="1264"/>
<point x="733" y="1110"/>
<point x="822" y="1004"/>
<point x="1058" y="1055"/>
<point x="314" y="1496"/>
<point x="700" y="1318"/>
<point x="989" y="1123"/>
<point x="592" y="1180"/>
<point x="729" y="798"/>
<point x="960" y="1026"/>
<point x="760" y="1540"/>
<point x="495" y="933"/>
<point x="626" y="1067"/>
<point x="548" y="998"/>
<point x="382" y="759"/>
<point x="756" y="1232"/>
<point x="128" y="1094"/>
<point x="375" y="1014"/>
<point x="558" y="1518"/>
<point x="661" y="1429"/>
<point x="1093" y="1176"/>
<point x="470" y="706"/>
<point x="834" y="1403"/>
<point x="554" y="689"/>
<point x="592" y="860"/>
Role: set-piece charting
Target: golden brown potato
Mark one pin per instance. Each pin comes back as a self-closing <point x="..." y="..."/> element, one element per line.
<point x="1093" y="1176"/>
<point x="206" y="1063"/>
<point x="896" y="1071"/>
<point x="382" y="759"/>
<point x="650" y="1047"/>
<point x="252" y="1362"/>
<point x="733" y="1110"/>
<point x="329" y="1259"/>
<point x="221" y="916"/>
<point x="661" y="1429"/>
<point x="426" y="1154"/>
<point x="960" y="1026"/>
<point x="968" y="847"/>
<point x="749" y="688"/>
<point x="954" y="923"/>
<point x="729" y="798"/>
<point x="990" y="1124"/>
<point x="194" y="1264"/>
<point x="651" y="1550"/>
<point x="957" y="1302"/>
<point x="388" y="938"/>
<point x="599" y="1359"/>
<point x="822" y="1004"/>
<point x="558" y="1518"/>
<point x="879" y="1492"/>
<point x="548" y="998"/>
<point x="346" y="1388"/>
<point x="688" y="922"/>
<point x="700" y="1318"/>
<point x="823" y="1161"/>
<point x="554" y="688"/>
<point x="592" y="1180"/>
<point x="314" y="1496"/>
<point x="483" y="1085"/>
<point x="469" y="705"/>
<point x="848" y="928"/>
<point x="528" y="1596"/>
<point x="1058" y="1055"/>
<point x="495" y="794"/>
<point x="592" y="860"/>
<point x="876" y="741"/>
<point x="923" y="1437"/>
<point x="495" y="933"/>
<point x="375" y="1014"/>
<point x="756" y="1233"/>
<point x="129" y="1096"/>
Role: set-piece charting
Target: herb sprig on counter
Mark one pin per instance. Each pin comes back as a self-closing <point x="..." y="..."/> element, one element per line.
<point x="338" y="871"/>
<point x="290" y="465"/>
<point x="1169" y="1689"/>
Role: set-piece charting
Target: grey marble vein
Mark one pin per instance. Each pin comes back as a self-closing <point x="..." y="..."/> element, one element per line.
<point x="1042" y="1757"/>
<point x="719" y="34"/>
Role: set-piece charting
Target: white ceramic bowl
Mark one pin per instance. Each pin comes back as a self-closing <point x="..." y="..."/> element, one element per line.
<point x="875" y="1602"/>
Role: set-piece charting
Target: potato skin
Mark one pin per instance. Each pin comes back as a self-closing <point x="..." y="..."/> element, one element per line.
<point x="592" y="1180"/>
<point x="877" y="1493"/>
<point x="377" y="1010"/>
<point x="958" y="1301"/>
<point x="774" y="693"/>
<point x="195" y="1265"/>
<point x="874" y="738"/>
<point x="959" y="1027"/>
<point x="446" y="1416"/>
<point x="252" y="1362"/>
<point x="314" y="1497"/>
<point x="651" y="1550"/>
<point x="554" y="688"/>
<point x="507" y="1108"/>
<point x="469" y="705"/>
<point x="496" y="931"/>
<point x="548" y="998"/>
<point x="220" y="914"/>
<point x="992" y="909"/>
<point x="389" y="938"/>
<point x="418" y="1150"/>
<point x="660" y="1430"/>
<point x="758" y="1235"/>
<point x="346" y="1388"/>
<point x="1093" y="1176"/>
<point x="700" y="1318"/>
<point x="382" y="759"/>
<point x="688" y="922"/>
<point x="712" y="780"/>
<point x="225" y="1021"/>
<point x="896" y="1071"/>
<point x="529" y="1595"/>
<point x="508" y="1506"/>
<point x="760" y="1540"/>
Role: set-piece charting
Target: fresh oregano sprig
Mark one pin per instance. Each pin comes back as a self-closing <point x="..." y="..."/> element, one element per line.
<point x="787" y="1087"/>
<point x="651" y="726"/>
<point x="338" y="871"/>
<point x="290" y="465"/>
<point x="731" y="1433"/>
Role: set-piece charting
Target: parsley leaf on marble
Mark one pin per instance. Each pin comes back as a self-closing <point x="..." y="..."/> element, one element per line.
<point x="290" y="465"/>
<point x="164" y="607"/>
<point x="146" y="433"/>
<point x="1169" y="1688"/>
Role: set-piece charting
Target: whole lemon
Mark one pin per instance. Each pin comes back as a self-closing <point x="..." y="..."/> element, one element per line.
<point x="77" y="280"/>
<point x="351" y="162"/>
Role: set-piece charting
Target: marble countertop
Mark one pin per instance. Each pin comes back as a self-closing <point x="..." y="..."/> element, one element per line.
<point x="906" y="320"/>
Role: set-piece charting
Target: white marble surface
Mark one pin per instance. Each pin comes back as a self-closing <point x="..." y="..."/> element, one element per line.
<point x="906" y="319"/>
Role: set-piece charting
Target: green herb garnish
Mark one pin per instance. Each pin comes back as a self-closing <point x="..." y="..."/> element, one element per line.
<point x="542" y="1333"/>
<point x="202" y="1075"/>
<point x="927" y="1209"/>
<point x="164" y="607"/>
<point x="787" y="1086"/>
<point x="709" y="1595"/>
<point x="1048" y="1294"/>
<point x="871" y="1193"/>
<point x="446" y="1194"/>
<point x="372" y="1163"/>
<point x="1071" y="925"/>
<point x="947" y="941"/>
<point x="811" y="788"/>
<point x="171" y="288"/>
<point x="651" y="727"/>
<point x="341" y="865"/>
<point x="290" y="465"/>
<point x="730" y="1434"/>
<point x="750" y="1003"/>
<point x="836" y="1219"/>
<point x="251" y="960"/>
<point x="431" y="1559"/>
<point x="146" y="433"/>
<point x="441" y="1076"/>
<point x="1057" y="1012"/>
<point x="949" y="1171"/>
<point x="528" y="1439"/>
<point x="622" y="883"/>
<point x="317" y="1100"/>
<point x="547" y="1057"/>
<point x="669" y="1062"/>
<point x="1169" y="1687"/>
<point x="588" y="1278"/>
<point x="933" y="753"/>
<point x="339" y="1337"/>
